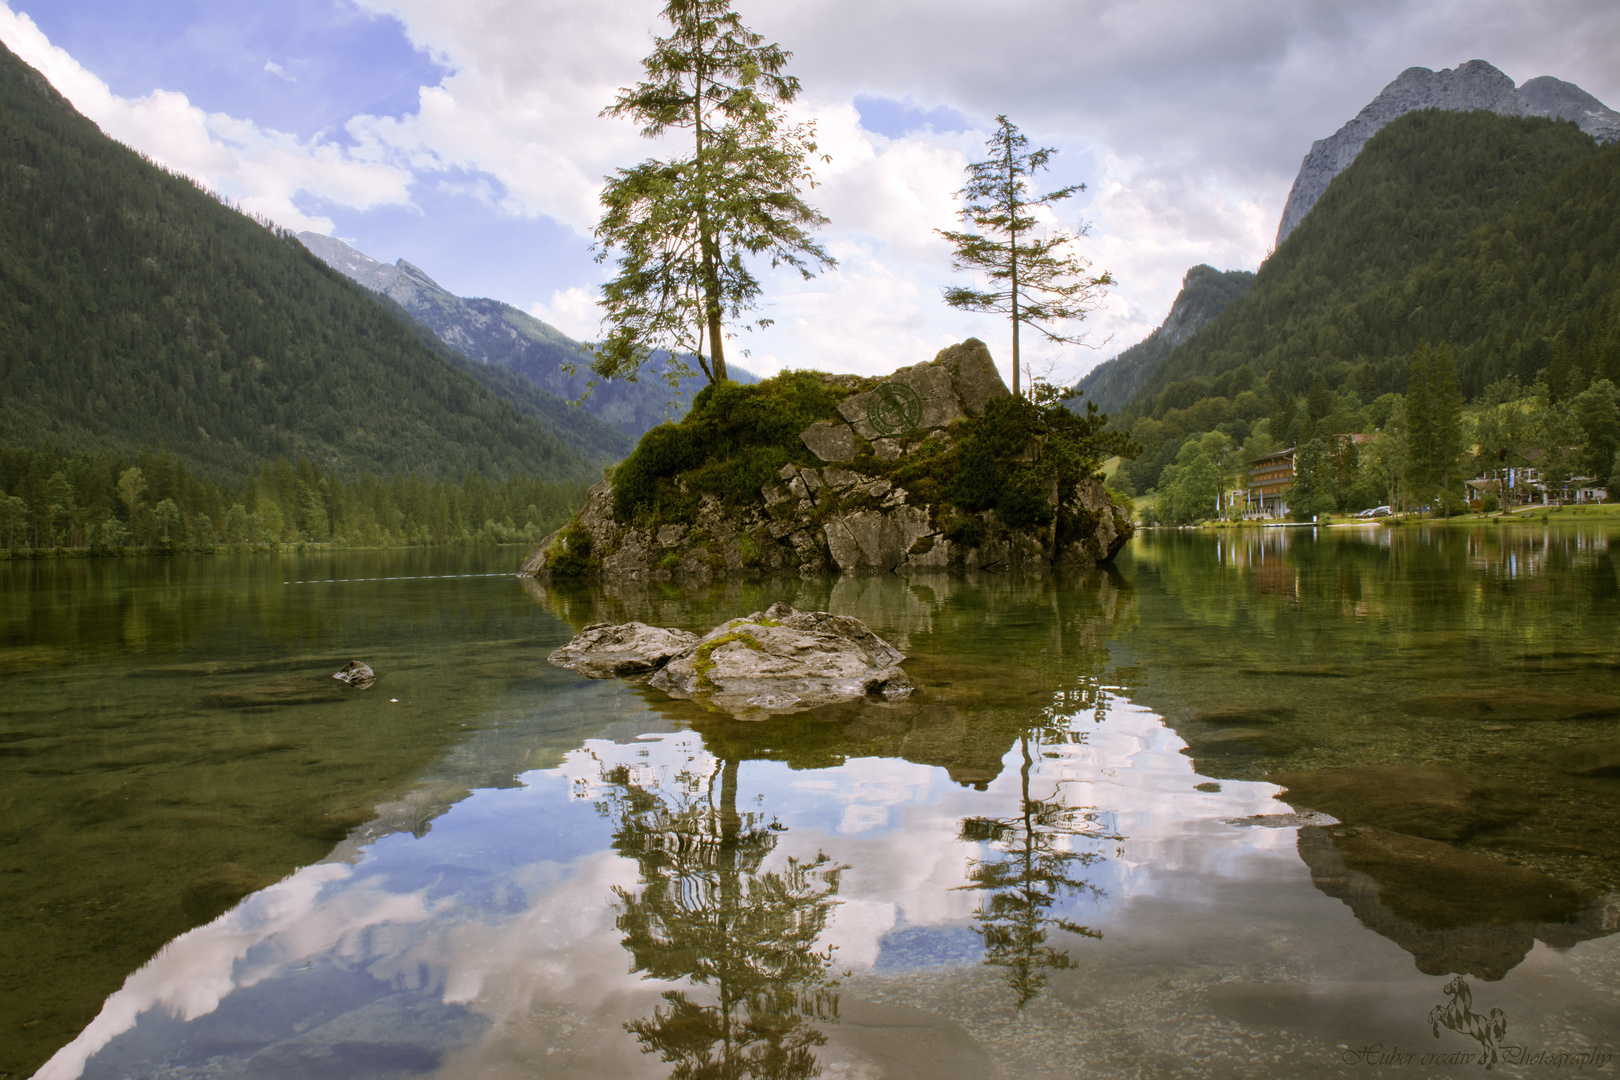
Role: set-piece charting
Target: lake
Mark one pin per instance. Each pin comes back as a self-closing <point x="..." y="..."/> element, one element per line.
<point x="1271" y="802"/>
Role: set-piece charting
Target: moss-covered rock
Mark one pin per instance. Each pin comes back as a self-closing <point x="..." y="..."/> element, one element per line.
<point x="935" y="467"/>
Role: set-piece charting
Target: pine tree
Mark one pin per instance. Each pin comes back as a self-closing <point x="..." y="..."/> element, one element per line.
<point x="1434" y="405"/>
<point x="687" y="228"/>
<point x="1032" y="279"/>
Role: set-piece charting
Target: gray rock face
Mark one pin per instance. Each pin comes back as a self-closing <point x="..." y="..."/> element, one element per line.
<point x="830" y="441"/>
<point x="782" y="661"/>
<point x="603" y="650"/>
<point x="816" y="520"/>
<point x="1474" y="85"/>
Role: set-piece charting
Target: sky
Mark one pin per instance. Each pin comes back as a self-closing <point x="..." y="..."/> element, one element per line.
<point x="467" y="138"/>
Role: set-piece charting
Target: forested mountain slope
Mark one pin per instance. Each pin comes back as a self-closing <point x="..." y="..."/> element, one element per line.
<point x="1474" y="85"/>
<point x="497" y="334"/>
<point x="136" y="309"/>
<point x="1205" y="292"/>
<point x="1335" y="299"/>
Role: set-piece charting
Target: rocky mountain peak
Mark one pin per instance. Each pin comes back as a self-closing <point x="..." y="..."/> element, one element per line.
<point x="1474" y="85"/>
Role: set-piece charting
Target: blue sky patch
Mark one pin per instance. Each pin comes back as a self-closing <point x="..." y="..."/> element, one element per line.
<point x="466" y="245"/>
<point x="894" y="119"/>
<point x="300" y="66"/>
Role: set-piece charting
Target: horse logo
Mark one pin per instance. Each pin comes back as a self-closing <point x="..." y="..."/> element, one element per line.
<point x="1458" y="1014"/>
<point x="894" y="409"/>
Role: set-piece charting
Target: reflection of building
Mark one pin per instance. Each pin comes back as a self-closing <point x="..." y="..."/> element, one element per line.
<point x="1271" y="477"/>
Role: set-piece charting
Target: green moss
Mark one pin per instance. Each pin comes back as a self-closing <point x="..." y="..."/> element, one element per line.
<point x="733" y="441"/>
<point x="703" y="658"/>
<point x="570" y="556"/>
<point x="967" y="532"/>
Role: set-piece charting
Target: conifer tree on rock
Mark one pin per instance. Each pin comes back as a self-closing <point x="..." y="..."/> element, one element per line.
<point x="686" y="229"/>
<point x="1033" y="278"/>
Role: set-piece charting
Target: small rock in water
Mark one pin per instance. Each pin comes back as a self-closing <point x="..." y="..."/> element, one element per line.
<point x="357" y="675"/>
<point x="783" y="660"/>
<point x="603" y="650"/>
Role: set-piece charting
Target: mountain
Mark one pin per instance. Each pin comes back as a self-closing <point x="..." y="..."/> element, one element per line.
<point x="497" y="334"/>
<point x="138" y="310"/>
<point x="1474" y="85"/>
<point x="1336" y="299"/>
<point x="1205" y="292"/>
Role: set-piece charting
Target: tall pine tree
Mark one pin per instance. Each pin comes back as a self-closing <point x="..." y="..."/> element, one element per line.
<point x="1434" y="404"/>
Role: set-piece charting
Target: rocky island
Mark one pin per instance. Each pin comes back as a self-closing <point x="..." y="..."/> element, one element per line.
<point x="934" y="467"/>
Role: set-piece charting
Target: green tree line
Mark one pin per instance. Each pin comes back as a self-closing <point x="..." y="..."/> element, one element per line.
<point x="106" y="504"/>
<point x="1418" y="450"/>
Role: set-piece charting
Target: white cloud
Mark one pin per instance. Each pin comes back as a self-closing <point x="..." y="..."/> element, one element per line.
<point x="264" y="172"/>
<point x="573" y="311"/>
<point x="1186" y="120"/>
<point x="279" y="72"/>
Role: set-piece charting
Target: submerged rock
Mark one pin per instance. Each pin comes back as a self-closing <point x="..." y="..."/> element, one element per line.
<point x="1244" y="715"/>
<point x="1598" y="758"/>
<point x="1518" y="705"/>
<point x="1240" y="740"/>
<point x="604" y="650"/>
<point x="785" y="661"/>
<point x="356" y="674"/>
<point x="1432" y="803"/>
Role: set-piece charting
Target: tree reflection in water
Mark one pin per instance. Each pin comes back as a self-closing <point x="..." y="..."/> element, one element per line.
<point x="709" y="914"/>
<point x="1035" y="863"/>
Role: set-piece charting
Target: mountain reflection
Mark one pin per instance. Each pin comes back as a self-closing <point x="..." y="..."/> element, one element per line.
<point x="709" y="913"/>
<point x="1330" y="660"/>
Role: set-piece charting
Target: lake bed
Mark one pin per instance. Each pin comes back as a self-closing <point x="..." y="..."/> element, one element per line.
<point x="1069" y="852"/>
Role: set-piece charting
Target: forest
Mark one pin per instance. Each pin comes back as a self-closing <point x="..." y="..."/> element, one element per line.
<point x="137" y="309"/>
<point x="102" y="504"/>
<point x="1498" y="235"/>
<point x="1493" y="241"/>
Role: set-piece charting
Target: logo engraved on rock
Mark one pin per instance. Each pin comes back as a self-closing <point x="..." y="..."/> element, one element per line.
<point x="894" y="409"/>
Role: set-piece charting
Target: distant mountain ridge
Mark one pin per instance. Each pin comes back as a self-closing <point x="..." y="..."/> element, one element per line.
<point x="496" y="333"/>
<point x="1474" y="85"/>
<point x="1492" y="233"/>
<point x="1205" y="292"/>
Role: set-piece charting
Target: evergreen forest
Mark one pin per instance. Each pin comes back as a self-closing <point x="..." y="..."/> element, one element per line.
<point x="1491" y="241"/>
<point x="97" y="504"/>
<point x="138" y="313"/>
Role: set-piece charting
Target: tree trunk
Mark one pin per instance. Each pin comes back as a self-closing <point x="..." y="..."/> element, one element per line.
<point x="1012" y="210"/>
<point x="710" y="247"/>
<point x="711" y="290"/>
